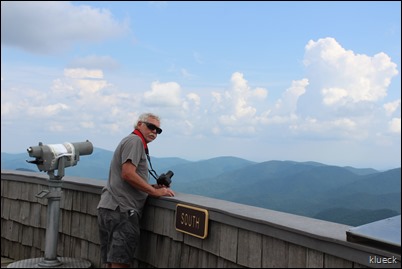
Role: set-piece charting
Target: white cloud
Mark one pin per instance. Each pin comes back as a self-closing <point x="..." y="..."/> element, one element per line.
<point x="87" y="124"/>
<point x="333" y="95"/>
<point x="88" y="88"/>
<point x="191" y="103"/>
<point x="260" y="93"/>
<point x="95" y="62"/>
<point x="343" y="76"/>
<point x="56" y="127"/>
<point x="288" y="103"/>
<point x="216" y="101"/>
<point x="7" y="109"/>
<point x="83" y="73"/>
<point x="163" y="94"/>
<point x="391" y="107"/>
<point x="47" y="110"/>
<point x="238" y="102"/>
<point x="52" y="26"/>
<point x="395" y="125"/>
<point x="339" y="99"/>
<point x="345" y="123"/>
<point x="84" y="87"/>
<point x="195" y="98"/>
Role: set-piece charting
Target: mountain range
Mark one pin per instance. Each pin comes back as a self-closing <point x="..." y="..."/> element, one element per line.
<point x="347" y="195"/>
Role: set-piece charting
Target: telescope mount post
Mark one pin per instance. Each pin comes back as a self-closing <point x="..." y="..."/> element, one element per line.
<point x="53" y="217"/>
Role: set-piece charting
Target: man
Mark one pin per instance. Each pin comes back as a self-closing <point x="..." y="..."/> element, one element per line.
<point x="123" y="197"/>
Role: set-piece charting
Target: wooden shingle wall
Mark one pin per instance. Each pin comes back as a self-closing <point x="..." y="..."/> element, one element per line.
<point x="24" y="220"/>
<point x="239" y="236"/>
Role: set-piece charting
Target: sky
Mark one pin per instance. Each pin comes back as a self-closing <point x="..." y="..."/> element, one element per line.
<point x="300" y="81"/>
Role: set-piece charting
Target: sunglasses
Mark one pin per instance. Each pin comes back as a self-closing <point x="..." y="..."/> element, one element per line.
<point x="153" y="127"/>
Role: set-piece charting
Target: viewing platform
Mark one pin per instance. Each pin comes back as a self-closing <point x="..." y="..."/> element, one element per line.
<point x="237" y="235"/>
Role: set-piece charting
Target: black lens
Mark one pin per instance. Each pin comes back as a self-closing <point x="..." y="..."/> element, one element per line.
<point x="153" y="127"/>
<point x="169" y="173"/>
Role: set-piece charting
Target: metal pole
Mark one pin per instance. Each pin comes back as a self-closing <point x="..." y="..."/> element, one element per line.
<point x="53" y="216"/>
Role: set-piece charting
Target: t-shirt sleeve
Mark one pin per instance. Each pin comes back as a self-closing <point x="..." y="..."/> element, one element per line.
<point x="132" y="150"/>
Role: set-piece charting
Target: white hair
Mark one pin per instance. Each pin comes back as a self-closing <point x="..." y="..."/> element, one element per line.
<point x="146" y="116"/>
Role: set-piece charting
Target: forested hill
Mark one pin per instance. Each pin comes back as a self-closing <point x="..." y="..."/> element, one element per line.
<point x="345" y="195"/>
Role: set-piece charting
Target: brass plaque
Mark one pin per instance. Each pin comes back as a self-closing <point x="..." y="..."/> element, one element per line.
<point x="192" y="220"/>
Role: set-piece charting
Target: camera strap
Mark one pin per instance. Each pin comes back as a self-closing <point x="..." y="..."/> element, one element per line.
<point x="151" y="171"/>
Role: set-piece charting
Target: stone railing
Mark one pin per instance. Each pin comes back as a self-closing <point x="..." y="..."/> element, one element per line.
<point x="238" y="235"/>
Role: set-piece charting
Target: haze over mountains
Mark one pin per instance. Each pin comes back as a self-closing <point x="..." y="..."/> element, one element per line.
<point x="345" y="195"/>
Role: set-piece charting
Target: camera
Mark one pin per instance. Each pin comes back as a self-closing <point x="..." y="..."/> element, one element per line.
<point x="165" y="179"/>
<point x="47" y="157"/>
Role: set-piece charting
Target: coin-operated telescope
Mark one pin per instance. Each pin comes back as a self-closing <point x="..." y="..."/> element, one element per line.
<point x="58" y="156"/>
<point x="49" y="158"/>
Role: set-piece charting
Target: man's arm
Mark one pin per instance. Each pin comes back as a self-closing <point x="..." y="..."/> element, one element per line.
<point x="129" y="173"/>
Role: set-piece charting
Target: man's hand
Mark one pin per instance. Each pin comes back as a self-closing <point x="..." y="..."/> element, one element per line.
<point x="161" y="190"/>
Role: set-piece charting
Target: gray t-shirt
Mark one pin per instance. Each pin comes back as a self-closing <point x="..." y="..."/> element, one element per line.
<point x="118" y="192"/>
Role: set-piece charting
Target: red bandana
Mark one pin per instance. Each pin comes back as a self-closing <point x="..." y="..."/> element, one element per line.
<point x="136" y="132"/>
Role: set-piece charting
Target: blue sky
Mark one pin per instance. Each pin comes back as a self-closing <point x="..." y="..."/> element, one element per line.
<point x="301" y="81"/>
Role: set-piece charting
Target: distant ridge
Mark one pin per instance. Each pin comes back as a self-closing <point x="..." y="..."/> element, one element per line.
<point x="348" y="195"/>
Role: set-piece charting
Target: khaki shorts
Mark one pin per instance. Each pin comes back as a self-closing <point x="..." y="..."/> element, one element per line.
<point x="119" y="234"/>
